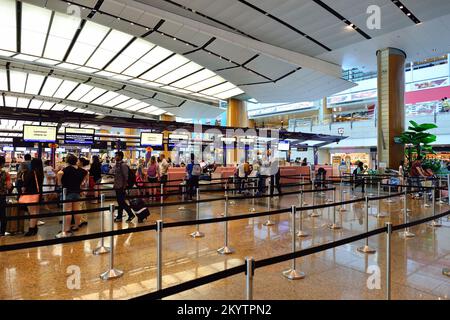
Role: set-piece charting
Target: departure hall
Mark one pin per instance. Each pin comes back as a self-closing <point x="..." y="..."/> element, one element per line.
<point x="224" y="150"/>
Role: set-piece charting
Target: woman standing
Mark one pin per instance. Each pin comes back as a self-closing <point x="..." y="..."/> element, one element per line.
<point x="95" y="176"/>
<point x="153" y="176"/>
<point x="140" y="177"/>
<point x="32" y="186"/>
<point x="49" y="181"/>
<point x="71" y="180"/>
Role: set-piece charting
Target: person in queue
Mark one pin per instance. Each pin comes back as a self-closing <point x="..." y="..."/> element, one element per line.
<point x="27" y="160"/>
<point x="140" y="177"/>
<point x="84" y="165"/>
<point x="32" y="185"/>
<point x="95" y="176"/>
<point x="264" y="174"/>
<point x="163" y="168"/>
<point x="193" y="171"/>
<point x="71" y="180"/>
<point x="120" y="172"/>
<point x="49" y="181"/>
<point x="5" y="188"/>
<point x="359" y="180"/>
<point x="153" y="176"/>
<point x="305" y="162"/>
<point x="417" y="173"/>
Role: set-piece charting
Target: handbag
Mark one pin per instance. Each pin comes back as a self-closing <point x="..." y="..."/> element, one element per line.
<point x="31" y="198"/>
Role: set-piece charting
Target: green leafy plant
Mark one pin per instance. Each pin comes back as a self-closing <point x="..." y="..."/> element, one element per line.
<point x="418" y="140"/>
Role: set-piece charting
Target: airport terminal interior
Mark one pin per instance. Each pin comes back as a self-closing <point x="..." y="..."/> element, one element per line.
<point x="224" y="150"/>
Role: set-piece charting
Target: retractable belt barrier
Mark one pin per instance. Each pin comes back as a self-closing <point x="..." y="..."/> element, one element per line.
<point x="238" y="269"/>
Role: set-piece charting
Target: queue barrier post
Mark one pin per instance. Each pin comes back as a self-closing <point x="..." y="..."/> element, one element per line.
<point x="197" y="233"/>
<point x="388" y="260"/>
<point x="64" y="233"/>
<point x="161" y="199"/>
<point x="112" y="272"/>
<point x="342" y="184"/>
<point x="342" y="207"/>
<point x="292" y="273"/>
<point x="183" y="198"/>
<point x="380" y="214"/>
<point x="389" y="200"/>
<point x="314" y="213"/>
<point x="269" y="222"/>
<point x="406" y="234"/>
<point x="366" y="249"/>
<point x="226" y="249"/>
<point x="254" y="185"/>
<point x="441" y="198"/>
<point x="102" y="249"/>
<point x="425" y="198"/>
<point x="159" y="229"/>
<point x="249" y="273"/>
<point x="434" y="223"/>
<point x="335" y="225"/>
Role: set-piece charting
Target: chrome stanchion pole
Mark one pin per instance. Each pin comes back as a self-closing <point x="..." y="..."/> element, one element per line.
<point x="434" y="223"/>
<point x="406" y="233"/>
<point x="112" y="272"/>
<point x="342" y="185"/>
<point x="342" y="207"/>
<point x="249" y="273"/>
<point x="379" y="213"/>
<point x="334" y="226"/>
<point x="159" y="229"/>
<point x="300" y="232"/>
<point x="254" y="186"/>
<point x="269" y="222"/>
<point x="161" y="199"/>
<point x="197" y="233"/>
<point x="233" y="191"/>
<point x="425" y="198"/>
<point x="389" y="200"/>
<point x="102" y="249"/>
<point x="225" y="249"/>
<point x="183" y="192"/>
<point x="366" y="249"/>
<point x="441" y="201"/>
<point x="293" y="274"/>
<point x="388" y="260"/>
<point x="64" y="233"/>
<point x="314" y="213"/>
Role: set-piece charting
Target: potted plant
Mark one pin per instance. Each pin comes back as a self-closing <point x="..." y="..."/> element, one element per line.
<point x="418" y="141"/>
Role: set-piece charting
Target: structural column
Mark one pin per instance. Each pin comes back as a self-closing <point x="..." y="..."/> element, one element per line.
<point x="391" y="105"/>
<point x="130" y="154"/>
<point x="324" y="112"/>
<point x="237" y="116"/>
<point x="165" y="117"/>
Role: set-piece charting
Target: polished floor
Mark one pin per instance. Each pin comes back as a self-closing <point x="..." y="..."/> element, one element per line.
<point x="340" y="273"/>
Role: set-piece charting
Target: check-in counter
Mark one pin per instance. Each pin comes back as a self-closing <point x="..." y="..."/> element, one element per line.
<point x="175" y="174"/>
<point x="293" y="174"/>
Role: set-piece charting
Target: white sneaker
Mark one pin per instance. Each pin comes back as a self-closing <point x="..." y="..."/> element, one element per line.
<point x="40" y="223"/>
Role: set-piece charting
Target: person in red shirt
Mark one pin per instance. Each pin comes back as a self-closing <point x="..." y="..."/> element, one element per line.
<point x="5" y="188"/>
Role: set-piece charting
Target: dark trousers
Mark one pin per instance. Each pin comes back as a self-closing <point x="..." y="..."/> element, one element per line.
<point x="360" y="182"/>
<point x="122" y="204"/>
<point x="192" y="185"/>
<point x="2" y="214"/>
<point x="262" y="184"/>
<point x="275" y="182"/>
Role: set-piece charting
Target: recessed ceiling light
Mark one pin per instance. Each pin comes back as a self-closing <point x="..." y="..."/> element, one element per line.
<point x="174" y="38"/>
<point x="401" y="7"/>
<point x="408" y="14"/>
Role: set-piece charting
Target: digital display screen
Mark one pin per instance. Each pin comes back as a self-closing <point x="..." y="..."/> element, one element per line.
<point x="118" y="145"/>
<point x="79" y="136"/>
<point x="149" y="139"/>
<point x="283" y="146"/>
<point x="39" y="134"/>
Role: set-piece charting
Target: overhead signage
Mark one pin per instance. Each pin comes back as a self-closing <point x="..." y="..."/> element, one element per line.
<point x="8" y="148"/>
<point x="150" y="139"/>
<point x="283" y="146"/>
<point x="174" y="136"/>
<point x="118" y="145"/>
<point x="39" y="133"/>
<point x="304" y="149"/>
<point x="79" y="136"/>
<point x="103" y="145"/>
<point x="228" y="140"/>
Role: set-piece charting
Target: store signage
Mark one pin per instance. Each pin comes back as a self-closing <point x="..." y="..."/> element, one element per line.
<point x="100" y="145"/>
<point x="118" y="145"/>
<point x="246" y="140"/>
<point x="8" y="148"/>
<point x="60" y="149"/>
<point x="39" y="134"/>
<point x="283" y="146"/>
<point x="85" y="150"/>
<point x="149" y="139"/>
<point x="178" y="136"/>
<point x="302" y="149"/>
<point x="79" y="136"/>
<point x="21" y="149"/>
<point x="95" y="150"/>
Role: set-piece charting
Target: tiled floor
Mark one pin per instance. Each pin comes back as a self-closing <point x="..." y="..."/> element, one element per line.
<point x="339" y="273"/>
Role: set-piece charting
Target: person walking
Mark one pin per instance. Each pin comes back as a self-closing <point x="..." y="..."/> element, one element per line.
<point x="121" y="172"/>
<point x="5" y="188"/>
<point x="193" y="171"/>
<point x="71" y="180"/>
<point x="32" y="187"/>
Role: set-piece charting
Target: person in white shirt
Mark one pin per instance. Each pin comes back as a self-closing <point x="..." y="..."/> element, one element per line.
<point x="241" y="175"/>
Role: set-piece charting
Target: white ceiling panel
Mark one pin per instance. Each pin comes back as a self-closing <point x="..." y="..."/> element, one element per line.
<point x="230" y="51"/>
<point x="240" y="76"/>
<point x="270" y="67"/>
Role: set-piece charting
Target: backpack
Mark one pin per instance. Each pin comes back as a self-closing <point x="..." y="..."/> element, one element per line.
<point x="151" y="172"/>
<point x="131" y="177"/>
<point x="196" y="170"/>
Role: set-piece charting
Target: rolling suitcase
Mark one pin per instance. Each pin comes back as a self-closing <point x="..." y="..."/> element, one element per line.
<point x="139" y="209"/>
<point x="14" y="226"/>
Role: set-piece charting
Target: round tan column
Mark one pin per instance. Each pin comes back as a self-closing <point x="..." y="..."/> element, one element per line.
<point x="237" y="116"/>
<point x="391" y="105"/>
<point x="165" y="117"/>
